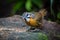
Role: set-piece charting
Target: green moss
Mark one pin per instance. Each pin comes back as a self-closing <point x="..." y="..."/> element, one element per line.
<point x="42" y="36"/>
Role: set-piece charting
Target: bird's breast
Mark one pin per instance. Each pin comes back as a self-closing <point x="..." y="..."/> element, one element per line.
<point x="32" y="22"/>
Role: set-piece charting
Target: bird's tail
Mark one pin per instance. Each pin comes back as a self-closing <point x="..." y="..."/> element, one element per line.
<point x="40" y="15"/>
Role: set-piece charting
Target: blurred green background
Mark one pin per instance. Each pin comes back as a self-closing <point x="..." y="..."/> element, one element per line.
<point x="12" y="7"/>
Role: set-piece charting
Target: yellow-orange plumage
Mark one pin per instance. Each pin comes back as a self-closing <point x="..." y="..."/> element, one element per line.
<point x="33" y="22"/>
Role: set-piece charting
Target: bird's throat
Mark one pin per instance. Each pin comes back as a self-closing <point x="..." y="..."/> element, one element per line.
<point x="27" y="19"/>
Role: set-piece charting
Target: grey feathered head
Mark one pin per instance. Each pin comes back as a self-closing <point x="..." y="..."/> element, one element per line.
<point x="28" y="14"/>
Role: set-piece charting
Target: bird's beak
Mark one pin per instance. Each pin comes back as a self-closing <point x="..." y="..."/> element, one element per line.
<point x="24" y="19"/>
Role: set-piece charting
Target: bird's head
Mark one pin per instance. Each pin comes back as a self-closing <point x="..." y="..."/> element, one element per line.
<point x="27" y="16"/>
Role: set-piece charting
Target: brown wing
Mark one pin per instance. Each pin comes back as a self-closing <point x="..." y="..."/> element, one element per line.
<point x="40" y="15"/>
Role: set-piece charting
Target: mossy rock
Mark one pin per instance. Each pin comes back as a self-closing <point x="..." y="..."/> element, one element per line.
<point x="28" y="36"/>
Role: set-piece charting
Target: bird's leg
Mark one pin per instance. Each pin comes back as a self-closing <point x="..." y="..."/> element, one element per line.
<point x="32" y="28"/>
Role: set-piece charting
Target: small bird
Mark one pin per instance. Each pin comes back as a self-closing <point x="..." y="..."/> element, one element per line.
<point x="36" y="21"/>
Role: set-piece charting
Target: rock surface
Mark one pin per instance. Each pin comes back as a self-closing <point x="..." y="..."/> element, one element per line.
<point x="14" y="28"/>
<point x="11" y="35"/>
<point x="13" y="23"/>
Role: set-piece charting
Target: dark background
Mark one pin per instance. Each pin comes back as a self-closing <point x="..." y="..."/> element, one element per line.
<point x="6" y="7"/>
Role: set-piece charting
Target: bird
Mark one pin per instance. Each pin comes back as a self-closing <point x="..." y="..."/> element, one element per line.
<point x="35" y="20"/>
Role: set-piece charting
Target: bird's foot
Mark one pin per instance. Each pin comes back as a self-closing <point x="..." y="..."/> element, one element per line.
<point x="33" y="30"/>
